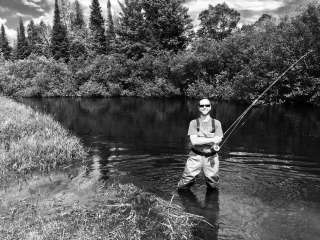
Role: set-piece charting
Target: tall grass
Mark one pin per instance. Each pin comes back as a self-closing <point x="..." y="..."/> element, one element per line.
<point x="31" y="141"/>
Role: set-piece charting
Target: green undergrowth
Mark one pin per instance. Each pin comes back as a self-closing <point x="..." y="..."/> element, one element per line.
<point x="49" y="204"/>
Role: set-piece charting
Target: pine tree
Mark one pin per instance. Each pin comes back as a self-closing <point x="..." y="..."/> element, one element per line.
<point x="59" y="40"/>
<point x="97" y="29"/>
<point x="34" y="40"/>
<point x="4" y="44"/>
<point x="78" y="33"/>
<point x="110" y="34"/>
<point x="22" y="44"/>
<point x="77" y="20"/>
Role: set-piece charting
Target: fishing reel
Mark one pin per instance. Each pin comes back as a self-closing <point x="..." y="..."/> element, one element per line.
<point x="215" y="147"/>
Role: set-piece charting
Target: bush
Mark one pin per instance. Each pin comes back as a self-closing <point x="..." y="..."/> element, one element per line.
<point x="93" y="89"/>
<point x="36" y="76"/>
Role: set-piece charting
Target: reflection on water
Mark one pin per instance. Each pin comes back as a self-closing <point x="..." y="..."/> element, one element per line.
<point x="270" y="169"/>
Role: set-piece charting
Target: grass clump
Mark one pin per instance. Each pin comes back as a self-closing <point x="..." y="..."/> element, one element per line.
<point x="31" y="141"/>
<point x="114" y="212"/>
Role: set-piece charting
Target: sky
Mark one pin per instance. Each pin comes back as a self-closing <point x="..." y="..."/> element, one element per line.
<point x="250" y="10"/>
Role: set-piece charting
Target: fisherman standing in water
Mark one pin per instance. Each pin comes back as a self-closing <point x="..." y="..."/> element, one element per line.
<point x="205" y="133"/>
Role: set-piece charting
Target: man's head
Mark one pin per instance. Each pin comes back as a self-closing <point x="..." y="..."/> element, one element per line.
<point x="204" y="106"/>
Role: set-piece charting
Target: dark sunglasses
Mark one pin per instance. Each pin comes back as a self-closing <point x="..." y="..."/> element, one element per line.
<point x="204" y="105"/>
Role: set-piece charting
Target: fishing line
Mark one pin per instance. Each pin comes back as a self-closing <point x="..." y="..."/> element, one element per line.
<point x="236" y="123"/>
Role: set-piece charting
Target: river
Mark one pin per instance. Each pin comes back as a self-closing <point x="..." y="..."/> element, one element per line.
<point x="269" y="168"/>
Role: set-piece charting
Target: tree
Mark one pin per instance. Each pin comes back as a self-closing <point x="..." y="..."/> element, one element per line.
<point x="168" y="23"/>
<point x="22" y="44"/>
<point x="78" y="33"/>
<point x="110" y="34"/>
<point x="34" y="40"/>
<point x="45" y="38"/>
<point x="147" y="25"/>
<point x="97" y="29"/>
<point x="218" y="22"/>
<point x="5" y="48"/>
<point x="59" y="40"/>
<point x="77" y="20"/>
<point x="65" y="13"/>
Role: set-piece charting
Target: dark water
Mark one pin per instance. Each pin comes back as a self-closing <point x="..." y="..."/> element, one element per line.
<point x="270" y="168"/>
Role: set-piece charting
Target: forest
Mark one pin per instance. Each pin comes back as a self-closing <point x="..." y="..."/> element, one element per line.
<point x="152" y="49"/>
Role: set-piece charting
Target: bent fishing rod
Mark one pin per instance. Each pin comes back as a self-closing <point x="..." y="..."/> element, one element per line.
<point x="236" y="123"/>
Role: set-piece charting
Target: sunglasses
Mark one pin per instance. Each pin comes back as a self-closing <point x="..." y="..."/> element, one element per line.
<point x="204" y="105"/>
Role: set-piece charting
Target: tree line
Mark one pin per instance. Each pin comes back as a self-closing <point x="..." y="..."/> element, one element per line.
<point x="152" y="49"/>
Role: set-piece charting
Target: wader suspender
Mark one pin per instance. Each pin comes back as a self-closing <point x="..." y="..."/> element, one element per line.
<point x="198" y="130"/>
<point x="212" y="123"/>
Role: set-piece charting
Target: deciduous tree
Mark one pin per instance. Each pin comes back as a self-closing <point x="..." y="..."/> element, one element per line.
<point x="218" y="22"/>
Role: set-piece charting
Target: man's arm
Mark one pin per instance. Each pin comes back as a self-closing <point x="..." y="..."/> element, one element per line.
<point x="208" y="138"/>
<point x="198" y="140"/>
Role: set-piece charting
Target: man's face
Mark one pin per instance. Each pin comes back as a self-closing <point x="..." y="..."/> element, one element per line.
<point x="204" y="106"/>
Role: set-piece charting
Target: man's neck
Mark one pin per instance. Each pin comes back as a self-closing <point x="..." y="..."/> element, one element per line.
<point x="205" y="118"/>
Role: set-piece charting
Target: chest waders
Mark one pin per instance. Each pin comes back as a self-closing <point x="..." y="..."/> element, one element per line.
<point x="205" y="151"/>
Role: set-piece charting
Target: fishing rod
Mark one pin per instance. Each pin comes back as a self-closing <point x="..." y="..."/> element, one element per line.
<point x="236" y="123"/>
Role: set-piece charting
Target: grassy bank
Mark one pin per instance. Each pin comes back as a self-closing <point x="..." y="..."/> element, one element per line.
<point x="50" y="205"/>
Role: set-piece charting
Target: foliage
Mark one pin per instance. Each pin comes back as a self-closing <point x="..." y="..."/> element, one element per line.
<point x="5" y="49"/>
<point x="59" y="40"/>
<point x="110" y="32"/>
<point x="22" y="50"/>
<point x="97" y="29"/>
<point x="36" y="76"/>
<point x="148" y="57"/>
<point x="218" y="22"/>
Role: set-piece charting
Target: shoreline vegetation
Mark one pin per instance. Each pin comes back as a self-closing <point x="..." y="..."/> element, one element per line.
<point x="39" y="199"/>
<point x="138" y="53"/>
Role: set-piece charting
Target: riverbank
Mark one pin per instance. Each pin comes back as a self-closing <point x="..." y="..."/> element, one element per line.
<point x="41" y="199"/>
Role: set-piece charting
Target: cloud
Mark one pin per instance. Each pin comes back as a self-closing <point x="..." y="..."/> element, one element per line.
<point x="3" y="21"/>
<point x="11" y="33"/>
<point x="30" y="3"/>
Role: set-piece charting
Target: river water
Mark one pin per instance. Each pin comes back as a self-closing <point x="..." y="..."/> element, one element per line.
<point x="269" y="169"/>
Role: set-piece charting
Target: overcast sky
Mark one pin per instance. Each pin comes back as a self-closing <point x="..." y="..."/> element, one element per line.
<point x="250" y="10"/>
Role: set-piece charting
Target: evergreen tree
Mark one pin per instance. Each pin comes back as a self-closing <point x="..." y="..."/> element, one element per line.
<point x="218" y="22"/>
<point x="22" y="44"/>
<point x="34" y="40"/>
<point x="110" y="25"/>
<point x="78" y="33"/>
<point x="77" y="20"/>
<point x="97" y="29"/>
<point x="59" y="40"/>
<point x="4" y="44"/>
<point x="110" y="34"/>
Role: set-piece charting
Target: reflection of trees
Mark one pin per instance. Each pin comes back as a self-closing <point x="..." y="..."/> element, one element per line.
<point x="158" y="122"/>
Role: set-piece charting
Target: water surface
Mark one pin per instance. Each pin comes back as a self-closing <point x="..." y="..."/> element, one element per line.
<point x="270" y="168"/>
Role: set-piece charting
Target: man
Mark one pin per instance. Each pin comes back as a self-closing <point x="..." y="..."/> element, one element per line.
<point x="204" y="132"/>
